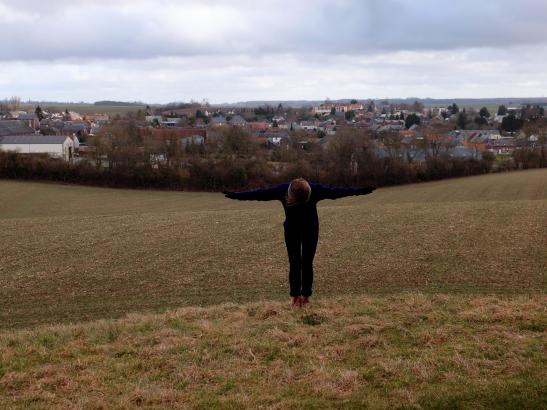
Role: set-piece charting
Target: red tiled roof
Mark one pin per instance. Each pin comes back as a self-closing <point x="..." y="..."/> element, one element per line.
<point x="258" y="126"/>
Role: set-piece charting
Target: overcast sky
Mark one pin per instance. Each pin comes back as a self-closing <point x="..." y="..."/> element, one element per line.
<point x="236" y="50"/>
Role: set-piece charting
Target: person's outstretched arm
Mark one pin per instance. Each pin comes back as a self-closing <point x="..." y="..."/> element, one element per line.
<point x="327" y="192"/>
<point x="266" y="194"/>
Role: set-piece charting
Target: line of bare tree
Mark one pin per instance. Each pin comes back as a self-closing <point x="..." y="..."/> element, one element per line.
<point x="124" y="155"/>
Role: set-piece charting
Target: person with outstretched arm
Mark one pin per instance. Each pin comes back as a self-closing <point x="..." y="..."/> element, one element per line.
<point x="299" y="199"/>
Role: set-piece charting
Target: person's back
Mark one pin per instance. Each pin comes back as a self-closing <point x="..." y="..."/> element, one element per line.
<point x="299" y="199"/>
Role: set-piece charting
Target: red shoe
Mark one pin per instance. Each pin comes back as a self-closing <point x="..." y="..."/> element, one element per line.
<point x="297" y="301"/>
<point x="304" y="300"/>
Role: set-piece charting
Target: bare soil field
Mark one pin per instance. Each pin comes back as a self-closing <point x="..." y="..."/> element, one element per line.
<point x="74" y="253"/>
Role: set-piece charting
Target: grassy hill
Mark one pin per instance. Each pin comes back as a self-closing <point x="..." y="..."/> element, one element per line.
<point x="427" y="296"/>
<point x="77" y="253"/>
<point x="409" y="351"/>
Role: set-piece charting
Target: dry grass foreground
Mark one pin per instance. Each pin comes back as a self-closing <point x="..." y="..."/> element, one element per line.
<point x="409" y="350"/>
<point x="74" y="253"/>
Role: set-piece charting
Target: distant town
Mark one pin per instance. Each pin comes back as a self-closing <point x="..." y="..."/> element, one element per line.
<point x="174" y="135"/>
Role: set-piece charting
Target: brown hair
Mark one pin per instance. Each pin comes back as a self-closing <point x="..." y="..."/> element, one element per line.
<point x="299" y="192"/>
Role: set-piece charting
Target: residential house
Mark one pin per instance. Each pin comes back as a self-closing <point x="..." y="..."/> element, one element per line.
<point x="283" y="124"/>
<point x="278" y="137"/>
<point x="51" y="126"/>
<point x="77" y="128"/>
<point x="309" y="125"/>
<point x="502" y="146"/>
<point x="329" y="129"/>
<point x="237" y="120"/>
<point x="153" y="118"/>
<point x="14" y="127"/>
<point x="499" y="118"/>
<point x="31" y="120"/>
<point x="480" y="138"/>
<point x="323" y="109"/>
<point x="218" y="121"/>
<point x="259" y="126"/>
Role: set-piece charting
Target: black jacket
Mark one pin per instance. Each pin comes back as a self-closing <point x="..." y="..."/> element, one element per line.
<point x="302" y="215"/>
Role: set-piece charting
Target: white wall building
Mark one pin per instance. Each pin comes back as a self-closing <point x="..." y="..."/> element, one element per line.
<point x="55" y="145"/>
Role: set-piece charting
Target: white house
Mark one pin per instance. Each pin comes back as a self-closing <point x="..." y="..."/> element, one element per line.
<point x="151" y="118"/>
<point x="499" y="118"/>
<point x="55" y="145"/>
<point x="76" y="142"/>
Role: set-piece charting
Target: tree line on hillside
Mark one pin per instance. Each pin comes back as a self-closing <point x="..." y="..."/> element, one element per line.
<point x="513" y="120"/>
<point x="125" y="156"/>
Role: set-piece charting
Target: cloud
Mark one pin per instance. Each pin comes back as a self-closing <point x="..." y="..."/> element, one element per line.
<point x="229" y="50"/>
<point x="100" y="29"/>
<point x="437" y="74"/>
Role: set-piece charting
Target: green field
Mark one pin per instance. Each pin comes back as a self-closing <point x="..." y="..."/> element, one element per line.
<point x="86" y="108"/>
<point x="426" y="296"/>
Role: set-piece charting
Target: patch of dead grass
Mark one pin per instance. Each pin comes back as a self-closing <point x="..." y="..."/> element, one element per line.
<point x="226" y="356"/>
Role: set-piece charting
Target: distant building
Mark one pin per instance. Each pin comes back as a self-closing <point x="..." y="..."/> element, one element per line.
<point x="14" y="127"/>
<point x="192" y="140"/>
<point x="275" y="137"/>
<point x="31" y="120"/>
<point x="15" y="114"/>
<point x="503" y="146"/>
<point x="499" y="118"/>
<point x="308" y="125"/>
<point x="327" y="108"/>
<point x="54" y="145"/>
<point x="152" y="118"/>
<point x="238" y="120"/>
<point x="73" y="116"/>
<point x="218" y="121"/>
<point x="171" y="122"/>
<point x="259" y="126"/>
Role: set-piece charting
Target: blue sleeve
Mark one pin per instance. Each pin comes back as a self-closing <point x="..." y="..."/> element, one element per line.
<point x="266" y="194"/>
<point x="327" y="192"/>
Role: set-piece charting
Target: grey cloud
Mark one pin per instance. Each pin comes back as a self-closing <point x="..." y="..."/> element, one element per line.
<point x="99" y="29"/>
<point x="474" y="73"/>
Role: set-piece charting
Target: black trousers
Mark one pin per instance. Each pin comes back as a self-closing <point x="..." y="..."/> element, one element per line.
<point x="301" y="246"/>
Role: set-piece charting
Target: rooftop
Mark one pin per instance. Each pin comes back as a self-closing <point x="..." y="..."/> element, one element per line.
<point x="33" y="139"/>
<point x="14" y="127"/>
